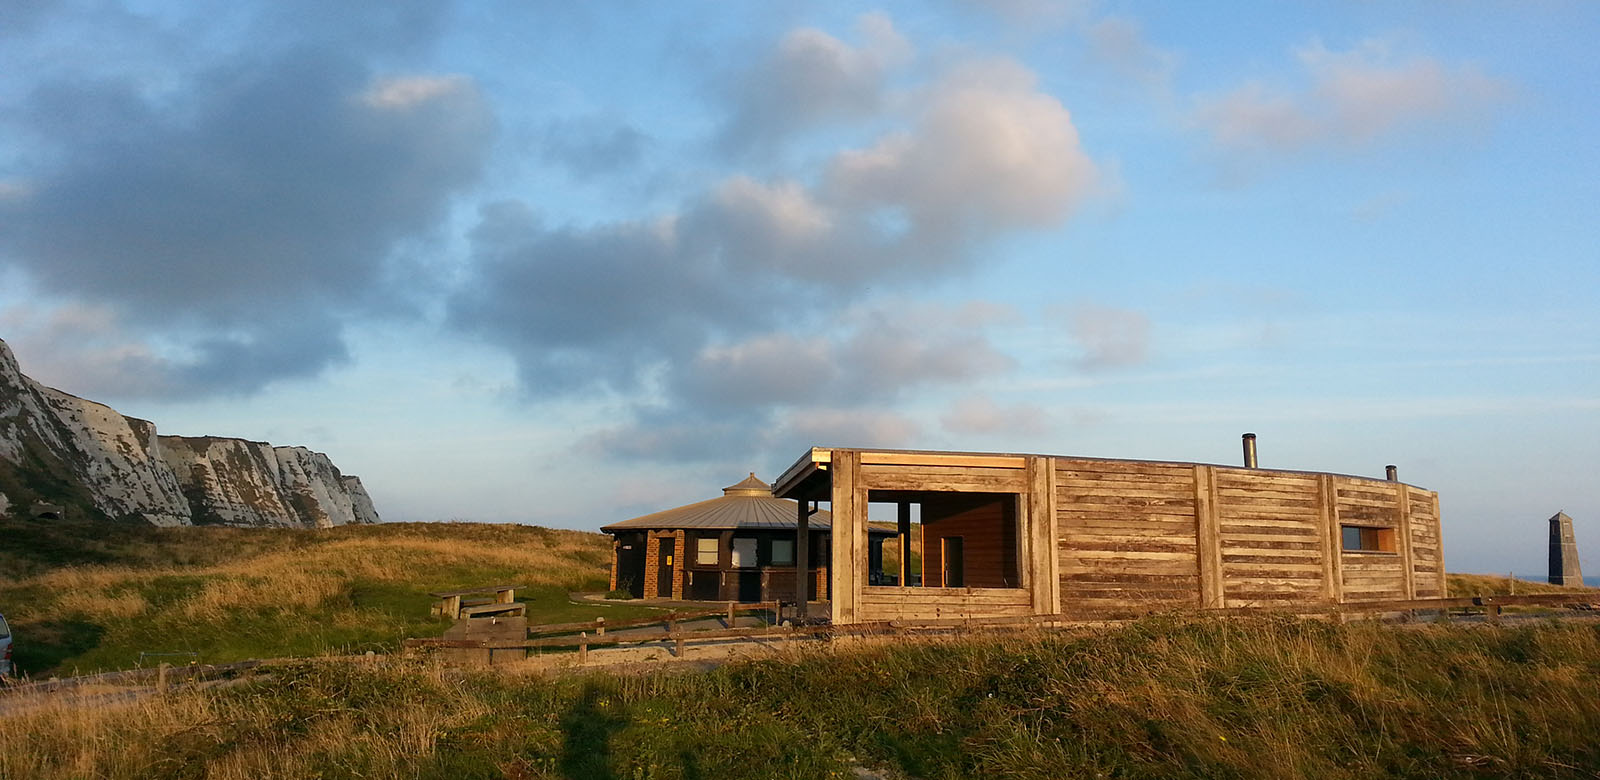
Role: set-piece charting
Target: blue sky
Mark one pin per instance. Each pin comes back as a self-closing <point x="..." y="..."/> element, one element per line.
<point x="568" y="263"/>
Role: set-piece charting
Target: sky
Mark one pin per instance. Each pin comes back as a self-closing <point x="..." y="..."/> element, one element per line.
<point x="568" y="263"/>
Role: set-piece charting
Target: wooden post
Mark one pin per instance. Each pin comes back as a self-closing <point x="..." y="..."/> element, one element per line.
<point x="802" y="556"/>
<point x="849" y="526"/>
<point x="903" y="525"/>
<point x="1332" y="544"/>
<point x="1403" y="528"/>
<point x="1039" y="529"/>
<point x="505" y="596"/>
<point x="583" y="649"/>
<point x="678" y="644"/>
<point x="1493" y="613"/>
<point x="1208" y="538"/>
<point x="161" y="677"/>
<point x="601" y="629"/>
<point x="452" y="607"/>
<point x="730" y="614"/>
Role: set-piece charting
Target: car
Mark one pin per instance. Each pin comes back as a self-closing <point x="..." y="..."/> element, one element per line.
<point x="6" y="669"/>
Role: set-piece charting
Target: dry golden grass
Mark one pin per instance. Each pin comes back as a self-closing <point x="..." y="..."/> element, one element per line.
<point x="1492" y="584"/>
<point x="1161" y="697"/>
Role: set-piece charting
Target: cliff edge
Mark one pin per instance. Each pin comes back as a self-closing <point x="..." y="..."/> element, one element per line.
<point x="60" y="454"/>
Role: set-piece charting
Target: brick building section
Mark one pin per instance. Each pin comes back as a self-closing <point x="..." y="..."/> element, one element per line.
<point x="616" y="548"/>
<point x="652" y="561"/>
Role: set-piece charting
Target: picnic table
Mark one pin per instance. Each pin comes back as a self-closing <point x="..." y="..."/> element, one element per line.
<point x="502" y="601"/>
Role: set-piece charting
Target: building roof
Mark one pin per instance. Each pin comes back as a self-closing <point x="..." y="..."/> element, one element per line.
<point x="749" y="504"/>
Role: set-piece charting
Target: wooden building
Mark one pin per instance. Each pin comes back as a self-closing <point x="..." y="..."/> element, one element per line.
<point x="1015" y="535"/>
<point x="739" y="547"/>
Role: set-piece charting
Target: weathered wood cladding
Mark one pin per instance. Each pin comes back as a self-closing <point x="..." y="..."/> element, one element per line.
<point x="882" y="603"/>
<point x="987" y="525"/>
<point x="1119" y="536"/>
<point x="1151" y="535"/>
<point x="1127" y="535"/>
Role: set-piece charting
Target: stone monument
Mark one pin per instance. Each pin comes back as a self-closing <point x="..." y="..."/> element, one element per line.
<point x="1563" y="552"/>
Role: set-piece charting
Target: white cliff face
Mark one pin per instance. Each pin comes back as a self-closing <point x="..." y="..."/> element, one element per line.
<point x="361" y="503"/>
<point x="61" y="449"/>
<point x="83" y="448"/>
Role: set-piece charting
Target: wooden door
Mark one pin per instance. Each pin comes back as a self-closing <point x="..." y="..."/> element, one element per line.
<point x="664" y="567"/>
<point x="952" y="562"/>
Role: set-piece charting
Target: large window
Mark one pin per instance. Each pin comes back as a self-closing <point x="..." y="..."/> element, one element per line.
<point x="1360" y="538"/>
<point x="782" y="552"/>
<point x="705" y="551"/>
<point x="744" y="553"/>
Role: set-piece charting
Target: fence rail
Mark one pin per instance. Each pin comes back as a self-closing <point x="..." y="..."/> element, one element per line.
<point x="670" y="632"/>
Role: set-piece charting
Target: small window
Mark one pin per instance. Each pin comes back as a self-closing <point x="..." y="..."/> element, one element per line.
<point x="782" y="552"/>
<point x="1360" y="538"/>
<point x="705" y="551"/>
<point x="744" y="553"/>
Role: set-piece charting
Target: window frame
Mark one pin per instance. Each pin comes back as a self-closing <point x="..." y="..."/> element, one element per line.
<point x="700" y="551"/>
<point x="1371" y="539"/>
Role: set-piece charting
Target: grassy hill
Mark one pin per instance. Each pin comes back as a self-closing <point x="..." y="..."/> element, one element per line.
<point x="87" y="597"/>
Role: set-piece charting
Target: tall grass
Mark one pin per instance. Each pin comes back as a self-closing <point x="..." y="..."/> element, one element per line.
<point x="1268" y="698"/>
<point x="277" y="592"/>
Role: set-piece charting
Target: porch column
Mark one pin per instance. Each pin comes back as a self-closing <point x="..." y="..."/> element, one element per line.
<point x="802" y="556"/>
<point x="905" y="540"/>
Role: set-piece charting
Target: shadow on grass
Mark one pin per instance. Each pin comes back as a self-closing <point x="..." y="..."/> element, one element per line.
<point x="589" y="726"/>
<point x="46" y="645"/>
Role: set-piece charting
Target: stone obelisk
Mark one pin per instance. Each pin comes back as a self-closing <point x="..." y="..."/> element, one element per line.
<point x="1563" y="552"/>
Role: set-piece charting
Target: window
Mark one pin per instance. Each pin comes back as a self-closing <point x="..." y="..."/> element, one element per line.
<point x="782" y="552"/>
<point x="705" y="551"/>
<point x="744" y="553"/>
<point x="1360" y="538"/>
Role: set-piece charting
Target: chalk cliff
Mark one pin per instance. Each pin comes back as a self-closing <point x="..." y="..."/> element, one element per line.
<point x="60" y="450"/>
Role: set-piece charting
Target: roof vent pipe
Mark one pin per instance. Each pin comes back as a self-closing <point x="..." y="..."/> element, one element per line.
<point x="1392" y="472"/>
<point x="1249" y="450"/>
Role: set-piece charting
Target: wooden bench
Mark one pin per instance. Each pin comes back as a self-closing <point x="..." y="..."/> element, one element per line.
<point x="503" y="602"/>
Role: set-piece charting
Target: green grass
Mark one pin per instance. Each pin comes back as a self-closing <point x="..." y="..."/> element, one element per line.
<point x="1158" y="698"/>
<point x="96" y="596"/>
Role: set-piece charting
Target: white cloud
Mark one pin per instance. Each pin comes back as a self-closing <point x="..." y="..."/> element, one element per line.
<point x="982" y="416"/>
<point x="850" y="427"/>
<point x="403" y="92"/>
<point x="1349" y="98"/>
<point x="1119" y="44"/>
<point x="1110" y="336"/>
<point x="989" y="152"/>
<point x="812" y="79"/>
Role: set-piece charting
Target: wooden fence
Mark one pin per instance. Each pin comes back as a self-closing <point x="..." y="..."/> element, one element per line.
<point x="1490" y="605"/>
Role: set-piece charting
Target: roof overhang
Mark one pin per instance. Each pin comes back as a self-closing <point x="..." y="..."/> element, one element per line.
<point x="806" y="477"/>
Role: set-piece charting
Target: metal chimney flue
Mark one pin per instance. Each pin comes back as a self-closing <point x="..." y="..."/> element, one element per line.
<point x="1392" y="473"/>
<point x="1249" y="450"/>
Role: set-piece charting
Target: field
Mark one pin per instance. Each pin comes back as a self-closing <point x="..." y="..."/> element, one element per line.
<point x="1165" y="696"/>
<point x="1161" y="697"/>
<point x="87" y="598"/>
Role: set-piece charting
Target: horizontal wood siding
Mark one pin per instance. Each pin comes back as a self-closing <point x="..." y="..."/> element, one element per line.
<point x="1272" y="543"/>
<point x="987" y="525"/>
<point x="1427" y="559"/>
<point x="1126" y="536"/>
<point x="885" y="603"/>
<point x="1369" y="576"/>
<point x="968" y="479"/>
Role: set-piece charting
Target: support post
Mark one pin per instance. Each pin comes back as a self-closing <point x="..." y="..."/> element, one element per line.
<point x="1039" y="529"/>
<point x="600" y="630"/>
<point x="903" y="525"/>
<point x="583" y="648"/>
<point x="1208" y="537"/>
<point x="849" y="536"/>
<point x="161" y="677"/>
<point x="1332" y="545"/>
<point x="802" y="557"/>
<point x="1403" y="528"/>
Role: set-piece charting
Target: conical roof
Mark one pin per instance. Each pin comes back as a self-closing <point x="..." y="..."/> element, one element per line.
<point x="746" y="504"/>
